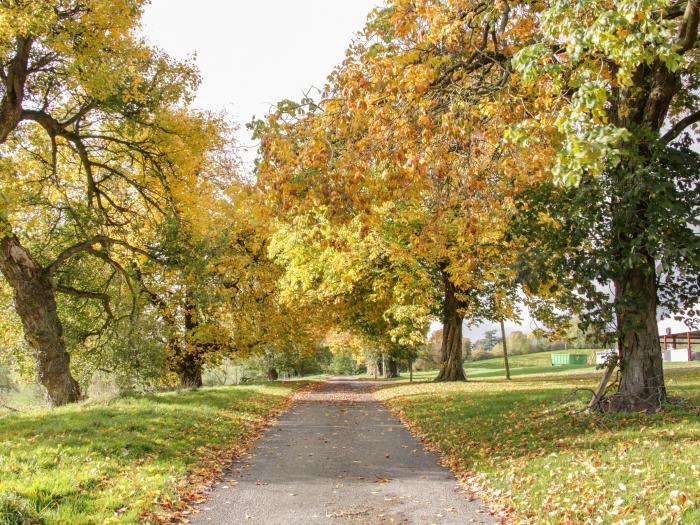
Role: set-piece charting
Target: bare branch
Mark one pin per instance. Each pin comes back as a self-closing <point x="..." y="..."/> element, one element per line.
<point x="680" y="126"/>
<point x="97" y="296"/>
<point x="88" y="246"/>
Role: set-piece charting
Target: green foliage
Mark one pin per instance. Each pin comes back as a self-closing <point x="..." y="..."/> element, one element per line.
<point x="581" y="242"/>
<point x="488" y="342"/>
<point x="625" y="36"/>
<point x="344" y="363"/>
<point x="15" y="354"/>
<point x="7" y="383"/>
<point x="356" y="275"/>
<point x="290" y="361"/>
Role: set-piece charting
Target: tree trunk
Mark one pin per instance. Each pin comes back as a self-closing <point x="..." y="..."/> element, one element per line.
<point x="190" y="372"/>
<point x="35" y="304"/>
<point x="392" y="368"/>
<point x="505" y="349"/>
<point x="451" y="368"/>
<point x="190" y="366"/>
<point x="643" y="106"/>
<point x="272" y="374"/>
<point x="642" y="384"/>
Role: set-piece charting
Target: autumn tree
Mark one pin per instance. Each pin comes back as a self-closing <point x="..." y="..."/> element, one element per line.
<point x="96" y="146"/>
<point x="412" y="123"/>
<point x="363" y="287"/>
<point x="613" y="86"/>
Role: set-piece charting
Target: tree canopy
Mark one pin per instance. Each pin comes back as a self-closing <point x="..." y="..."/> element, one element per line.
<point x="465" y="161"/>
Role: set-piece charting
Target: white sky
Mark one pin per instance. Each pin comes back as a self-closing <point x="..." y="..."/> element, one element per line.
<point x="252" y="54"/>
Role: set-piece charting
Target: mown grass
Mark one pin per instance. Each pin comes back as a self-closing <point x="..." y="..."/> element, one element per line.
<point x="552" y="466"/>
<point x="538" y="363"/>
<point x="111" y="463"/>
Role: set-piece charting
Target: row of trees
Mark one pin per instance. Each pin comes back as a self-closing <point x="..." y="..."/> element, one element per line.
<point x="129" y="241"/>
<point x="465" y="160"/>
<point x="469" y="157"/>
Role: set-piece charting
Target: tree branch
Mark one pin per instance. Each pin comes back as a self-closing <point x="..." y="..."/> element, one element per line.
<point x="14" y="79"/>
<point x="689" y="26"/>
<point x="97" y="296"/>
<point x="56" y="129"/>
<point x="680" y="126"/>
<point x="88" y="246"/>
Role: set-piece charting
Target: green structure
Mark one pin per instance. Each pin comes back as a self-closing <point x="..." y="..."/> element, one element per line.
<point x="569" y="359"/>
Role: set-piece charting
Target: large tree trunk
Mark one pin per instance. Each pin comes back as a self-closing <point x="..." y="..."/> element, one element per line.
<point x="392" y="368"/>
<point x="644" y="105"/>
<point x="451" y="368"/>
<point x="642" y="384"/>
<point x="272" y="374"/>
<point x="190" y="366"/>
<point x="35" y="304"/>
<point x="190" y="372"/>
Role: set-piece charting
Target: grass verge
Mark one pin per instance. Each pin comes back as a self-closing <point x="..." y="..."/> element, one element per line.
<point x="535" y="462"/>
<point x="134" y="459"/>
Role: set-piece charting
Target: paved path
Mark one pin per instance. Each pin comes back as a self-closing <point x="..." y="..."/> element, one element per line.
<point x="339" y="457"/>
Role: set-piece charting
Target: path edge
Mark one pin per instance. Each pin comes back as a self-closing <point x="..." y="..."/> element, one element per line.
<point x="198" y="485"/>
<point x="494" y="502"/>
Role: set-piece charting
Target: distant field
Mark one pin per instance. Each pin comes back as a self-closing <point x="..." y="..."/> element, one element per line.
<point x="515" y="444"/>
<point x="525" y="365"/>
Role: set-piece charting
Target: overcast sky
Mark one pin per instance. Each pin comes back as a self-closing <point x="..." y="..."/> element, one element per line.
<point x="252" y="54"/>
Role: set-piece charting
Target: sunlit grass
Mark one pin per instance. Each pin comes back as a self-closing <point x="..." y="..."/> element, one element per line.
<point x="522" y="365"/>
<point x="556" y="467"/>
<point x="109" y="463"/>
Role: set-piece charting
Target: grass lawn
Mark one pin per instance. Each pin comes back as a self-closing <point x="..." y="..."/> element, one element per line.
<point x="113" y="463"/>
<point x="548" y="466"/>
<point x="522" y="365"/>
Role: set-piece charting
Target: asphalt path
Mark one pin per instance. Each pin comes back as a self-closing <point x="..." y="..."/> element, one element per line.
<point x="337" y="456"/>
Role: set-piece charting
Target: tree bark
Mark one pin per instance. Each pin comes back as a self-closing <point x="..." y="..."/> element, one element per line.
<point x="272" y="374"/>
<point x="451" y="368"/>
<point x="35" y="303"/>
<point x="190" y="372"/>
<point x="505" y="349"/>
<point x="189" y="365"/>
<point x="392" y="368"/>
<point x="642" y="384"/>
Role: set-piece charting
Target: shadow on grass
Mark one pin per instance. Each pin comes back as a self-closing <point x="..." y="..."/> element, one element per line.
<point x="524" y="423"/>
